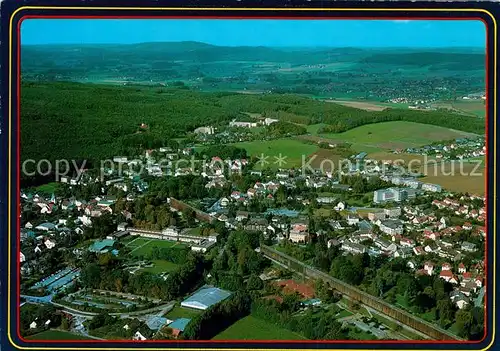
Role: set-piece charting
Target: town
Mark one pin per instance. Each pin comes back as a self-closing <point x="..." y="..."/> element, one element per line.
<point x="165" y="252"/>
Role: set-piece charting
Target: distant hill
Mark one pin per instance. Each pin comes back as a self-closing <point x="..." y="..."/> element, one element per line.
<point x="34" y="56"/>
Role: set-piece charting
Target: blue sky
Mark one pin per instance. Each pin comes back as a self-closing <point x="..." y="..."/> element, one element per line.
<point x="333" y="33"/>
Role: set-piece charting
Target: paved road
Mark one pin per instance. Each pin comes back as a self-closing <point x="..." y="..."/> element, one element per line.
<point x="48" y="300"/>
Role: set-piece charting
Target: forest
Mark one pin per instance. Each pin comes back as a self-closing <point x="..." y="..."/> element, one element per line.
<point x="104" y="121"/>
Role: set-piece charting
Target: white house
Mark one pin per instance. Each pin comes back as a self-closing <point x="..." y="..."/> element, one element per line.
<point x="429" y="267"/>
<point x="138" y="336"/>
<point x="49" y="244"/>
<point x="46" y="227"/>
<point x="340" y="206"/>
<point x="22" y="258"/>
<point x="461" y="268"/>
<point x="33" y="325"/>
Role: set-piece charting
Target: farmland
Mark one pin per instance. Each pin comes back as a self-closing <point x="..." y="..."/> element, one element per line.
<point x="459" y="176"/>
<point x="394" y="135"/>
<point x="289" y="148"/>
<point x="251" y="328"/>
<point x="362" y="105"/>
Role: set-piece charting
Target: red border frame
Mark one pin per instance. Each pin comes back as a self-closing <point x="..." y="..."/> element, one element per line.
<point x="250" y="342"/>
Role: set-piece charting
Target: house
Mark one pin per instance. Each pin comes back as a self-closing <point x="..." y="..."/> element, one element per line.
<point x="33" y="325"/>
<point x="431" y="187"/>
<point x="156" y="322"/>
<point x="178" y="326"/>
<point x="467" y="226"/>
<point x="459" y="299"/>
<point x="49" y="244"/>
<point x="446" y="275"/>
<point x="446" y="267"/>
<point x="461" y="268"/>
<point x="403" y="253"/>
<point x="46" y="226"/>
<point x="375" y="216"/>
<point x="392" y="212"/>
<point x="385" y="245"/>
<point x="241" y="215"/>
<point x="391" y="226"/>
<point x="454" y="279"/>
<point x="122" y="227"/>
<point x="407" y="242"/>
<point x="332" y="243"/>
<point x="469" y="247"/>
<point x="352" y="219"/>
<point x="126" y="327"/>
<point x="353" y="248"/>
<point x="299" y="233"/>
<point x="224" y="202"/>
<point x="429" y="267"/>
<point x="38" y="249"/>
<point x="138" y="336"/>
<point x="22" y="258"/>
<point x="411" y="264"/>
<point x="340" y="207"/>
<point x="325" y="199"/>
<point x="419" y="250"/>
<point x="257" y="224"/>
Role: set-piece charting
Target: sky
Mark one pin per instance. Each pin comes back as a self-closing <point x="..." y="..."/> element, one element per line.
<point x="273" y="33"/>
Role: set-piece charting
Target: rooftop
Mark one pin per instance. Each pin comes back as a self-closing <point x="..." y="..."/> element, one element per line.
<point x="101" y="245"/>
<point x="205" y="297"/>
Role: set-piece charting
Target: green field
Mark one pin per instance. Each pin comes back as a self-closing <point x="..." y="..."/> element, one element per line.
<point x="56" y="335"/>
<point x="143" y="247"/>
<point x="394" y="135"/>
<point x="48" y="188"/>
<point x="344" y="313"/>
<point x="182" y="312"/>
<point x="291" y="149"/>
<point x="251" y="328"/>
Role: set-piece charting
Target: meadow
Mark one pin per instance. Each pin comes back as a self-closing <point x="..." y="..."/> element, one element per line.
<point x="395" y="135"/>
<point x="182" y="312"/>
<point x="292" y="149"/>
<point x="251" y="328"/>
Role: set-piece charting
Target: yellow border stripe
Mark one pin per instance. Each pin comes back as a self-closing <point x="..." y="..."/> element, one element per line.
<point x="492" y="64"/>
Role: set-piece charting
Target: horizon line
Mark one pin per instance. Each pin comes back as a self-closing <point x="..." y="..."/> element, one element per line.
<point x="264" y="46"/>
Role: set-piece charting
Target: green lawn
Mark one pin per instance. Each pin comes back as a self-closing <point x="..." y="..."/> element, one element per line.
<point x="147" y="248"/>
<point x="358" y="334"/>
<point x="394" y="135"/>
<point x="161" y="266"/>
<point x="314" y="128"/>
<point x="56" y="335"/>
<point x="182" y="312"/>
<point x="48" y="188"/>
<point x="251" y="328"/>
<point x="290" y="149"/>
<point x="344" y="313"/>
